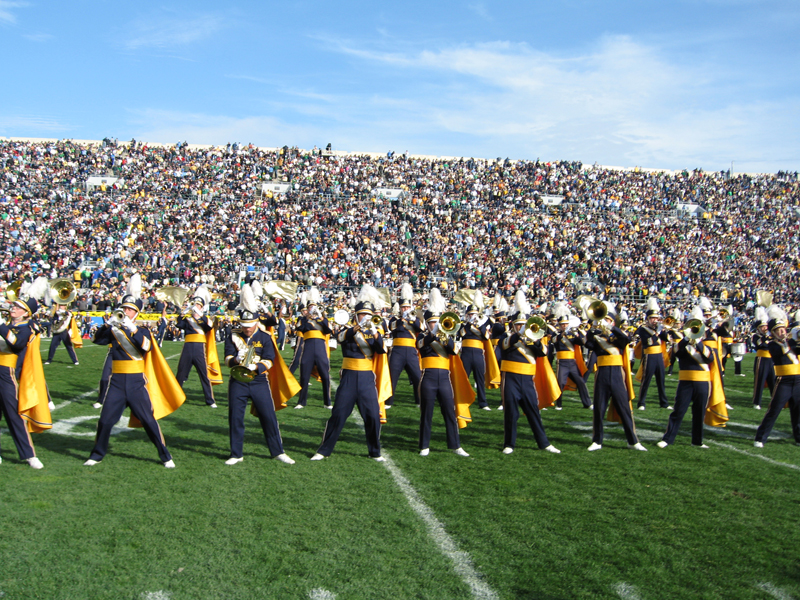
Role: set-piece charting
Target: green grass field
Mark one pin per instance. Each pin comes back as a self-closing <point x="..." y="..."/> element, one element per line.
<point x="674" y="523"/>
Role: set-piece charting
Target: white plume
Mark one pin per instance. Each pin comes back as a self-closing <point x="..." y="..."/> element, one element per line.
<point x="496" y="301"/>
<point x="777" y="313"/>
<point x="677" y="314"/>
<point x="40" y="288"/>
<point x="351" y="302"/>
<point x="436" y="302"/>
<point x="478" y="300"/>
<point x="705" y="304"/>
<point x="761" y="315"/>
<point x="369" y="294"/>
<point x="258" y="291"/>
<point x="560" y="309"/>
<point x="202" y="292"/>
<point x="503" y="306"/>
<point x="303" y="298"/>
<point x="652" y="304"/>
<point x="407" y="293"/>
<point x="697" y="313"/>
<point x="135" y="286"/>
<point x="314" y="297"/>
<point x="521" y="303"/>
<point x="247" y="300"/>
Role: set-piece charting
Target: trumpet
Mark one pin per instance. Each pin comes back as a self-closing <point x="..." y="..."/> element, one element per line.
<point x="116" y="318"/>
<point x="695" y="329"/>
<point x="535" y="328"/>
<point x="240" y="372"/>
<point x="668" y="322"/>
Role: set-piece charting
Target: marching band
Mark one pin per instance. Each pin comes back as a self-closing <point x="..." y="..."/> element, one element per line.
<point x="438" y="346"/>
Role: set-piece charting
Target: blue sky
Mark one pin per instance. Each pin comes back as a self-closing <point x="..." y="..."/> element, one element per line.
<point x="685" y="84"/>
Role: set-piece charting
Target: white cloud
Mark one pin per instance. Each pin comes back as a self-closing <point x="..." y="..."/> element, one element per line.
<point x="167" y="30"/>
<point x="6" y="14"/>
<point x="38" y="37"/>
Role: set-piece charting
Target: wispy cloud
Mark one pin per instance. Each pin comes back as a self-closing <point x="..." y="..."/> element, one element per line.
<point x="38" y="37"/>
<point x="167" y="30"/>
<point x="6" y="10"/>
<point x="479" y="8"/>
<point x="34" y="124"/>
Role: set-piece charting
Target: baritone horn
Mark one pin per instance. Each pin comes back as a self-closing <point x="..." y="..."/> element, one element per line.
<point x="593" y="309"/>
<point x="695" y="329"/>
<point x="62" y="291"/>
<point x="535" y="328"/>
<point x="668" y="322"/>
<point x="449" y="323"/>
<point x="240" y="372"/>
<point x="12" y="291"/>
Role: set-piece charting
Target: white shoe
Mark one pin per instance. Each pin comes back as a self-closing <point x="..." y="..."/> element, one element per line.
<point x="378" y="459"/>
<point x="508" y="450"/>
<point x="299" y="406"/>
<point x="35" y="463"/>
<point x="728" y="406"/>
<point x="233" y="460"/>
<point x="486" y="408"/>
<point x="460" y="452"/>
<point x="757" y="406"/>
<point x="559" y="408"/>
<point x="90" y="463"/>
<point x="76" y="364"/>
<point x="51" y="405"/>
<point x="318" y="456"/>
<point x="500" y="407"/>
<point x="637" y="446"/>
<point x="388" y="406"/>
<point x="668" y="408"/>
<point x="641" y="408"/>
<point x="97" y="405"/>
<point x="329" y="407"/>
<point x="47" y="362"/>
<point x="284" y="458"/>
<point x="591" y="407"/>
<point x="703" y="446"/>
<point x="425" y="452"/>
<point x="758" y="444"/>
<point x="594" y="446"/>
<point x="662" y="444"/>
<point x="213" y="405"/>
<point x="553" y="449"/>
<point x="170" y="464"/>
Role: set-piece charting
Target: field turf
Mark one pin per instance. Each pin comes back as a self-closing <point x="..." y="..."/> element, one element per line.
<point x="674" y="523"/>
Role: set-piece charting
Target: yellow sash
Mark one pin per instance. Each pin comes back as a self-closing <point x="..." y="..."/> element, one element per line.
<point x="166" y="395"/>
<point x="408" y="342"/>
<point x="786" y="370"/>
<point x="213" y="368"/>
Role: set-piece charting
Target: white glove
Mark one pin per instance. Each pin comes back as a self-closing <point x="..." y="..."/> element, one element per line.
<point x="240" y="356"/>
<point x="253" y="367"/>
<point x="197" y="314"/>
<point x="127" y="323"/>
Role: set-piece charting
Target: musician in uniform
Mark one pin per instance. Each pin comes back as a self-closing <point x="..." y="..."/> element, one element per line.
<point x="518" y="390"/>
<point x="786" y="389"/>
<point x="357" y="383"/>
<point x="763" y="367"/>
<point x="612" y="379"/>
<point x="403" y="356"/>
<point x="315" y="330"/>
<point x="127" y="386"/>
<point x="567" y="343"/>
<point x="62" y="332"/>
<point x="299" y="341"/>
<point x="435" y="350"/>
<point x="499" y="328"/>
<point x="472" y="334"/>
<point x="725" y="333"/>
<point x="695" y="360"/>
<point x="652" y="365"/>
<point x="195" y="325"/>
<point x="14" y="339"/>
<point x="162" y="326"/>
<point x="252" y="348"/>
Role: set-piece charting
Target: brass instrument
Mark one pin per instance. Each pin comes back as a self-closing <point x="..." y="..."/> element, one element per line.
<point x="449" y="323"/>
<point x="240" y="372"/>
<point x="593" y="309"/>
<point x="668" y="322"/>
<point x="62" y="291"/>
<point x="694" y="329"/>
<point x="12" y="291"/>
<point x="117" y="317"/>
<point x="535" y="328"/>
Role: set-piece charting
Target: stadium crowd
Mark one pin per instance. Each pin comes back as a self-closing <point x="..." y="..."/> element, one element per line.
<point x="182" y="215"/>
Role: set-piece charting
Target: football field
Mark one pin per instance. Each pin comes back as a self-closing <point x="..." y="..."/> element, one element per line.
<point x="679" y="522"/>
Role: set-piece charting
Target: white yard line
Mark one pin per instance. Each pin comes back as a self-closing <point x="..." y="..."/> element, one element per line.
<point x="764" y="458"/>
<point x="626" y="591"/>
<point x="462" y="562"/>
<point x="775" y="592"/>
<point x="321" y="594"/>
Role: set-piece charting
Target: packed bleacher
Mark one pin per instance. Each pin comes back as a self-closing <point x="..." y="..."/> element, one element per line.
<point x="181" y="215"/>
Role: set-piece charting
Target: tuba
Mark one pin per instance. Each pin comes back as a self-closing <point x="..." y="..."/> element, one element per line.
<point x="62" y="291"/>
<point x="240" y="372"/>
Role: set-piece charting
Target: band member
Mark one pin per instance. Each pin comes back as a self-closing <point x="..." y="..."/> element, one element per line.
<point x="786" y="390"/>
<point x="435" y="349"/>
<point x="473" y="333"/>
<point x="358" y="384"/>
<point x="23" y="394"/>
<point x="106" y="374"/>
<point x="499" y="328"/>
<point x="699" y="384"/>
<point x="652" y="344"/>
<point x="281" y="327"/>
<point x="314" y="355"/>
<point x="162" y="327"/>
<point x="65" y="330"/>
<point x="298" y="337"/>
<point x="518" y="367"/>
<point x="403" y="355"/>
<point x="251" y="352"/>
<point x="568" y="343"/>
<point x="140" y="378"/>
<point x="763" y="367"/>
<point x="613" y="379"/>
<point x="725" y="333"/>
<point x="199" y="346"/>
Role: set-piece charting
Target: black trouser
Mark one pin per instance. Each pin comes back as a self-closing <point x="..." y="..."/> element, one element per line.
<point x="65" y="337"/>
<point x="609" y="383"/>
<point x="568" y="369"/>
<point x="787" y="389"/>
<point x="653" y="366"/>
<point x="404" y="358"/>
<point x="259" y="392"/>
<point x="435" y="386"/>
<point x="696" y="393"/>
<point x="355" y="388"/>
<point x="519" y="392"/>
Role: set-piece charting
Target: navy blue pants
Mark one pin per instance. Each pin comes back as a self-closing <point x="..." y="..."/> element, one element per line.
<point x="435" y="386"/>
<point x="475" y="365"/>
<point x="162" y="329"/>
<point x="653" y="366"/>
<point x="259" y="392"/>
<point x="590" y="366"/>
<point x="609" y="384"/>
<point x="298" y="352"/>
<point x="519" y="392"/>
<point x="568" y="369"/>
<point x="56" y="340"/>
<point x="9" y="406"/>
<point x="404" y="358"/>
<point x="696" y="393"/>
<point x="764" y="372"/>
<point x="127" y="389"/>
<point x="104" y="378"/>
<point x="787" y="389"/>
<point x="194" y="355"/>
<point x="355" y="388"/>
<point x="315" y="354"/>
